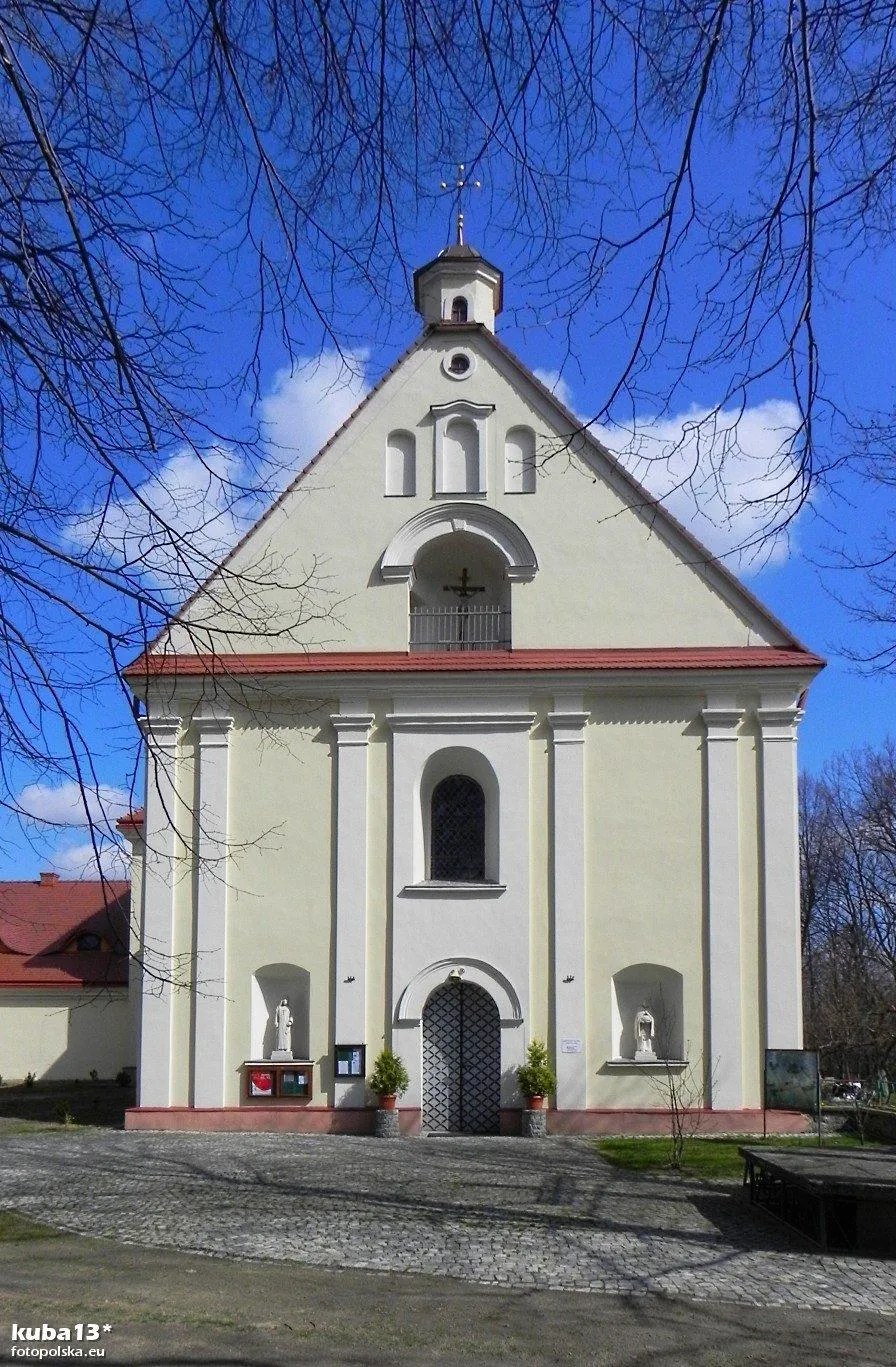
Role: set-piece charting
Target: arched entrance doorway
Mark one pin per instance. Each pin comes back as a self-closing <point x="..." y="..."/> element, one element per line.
<point x="461" y="1061"/>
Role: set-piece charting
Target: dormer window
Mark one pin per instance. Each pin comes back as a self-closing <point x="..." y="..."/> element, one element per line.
<point x="459" y="310"/>
<point x="88" y="943"/>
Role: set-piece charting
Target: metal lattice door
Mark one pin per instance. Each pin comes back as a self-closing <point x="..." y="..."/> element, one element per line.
<point x="461" y="1061"/>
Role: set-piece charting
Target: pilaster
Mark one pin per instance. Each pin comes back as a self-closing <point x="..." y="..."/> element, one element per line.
<point x="567" y="723"/>
<point x="161" y="737"/>
<point x="778" y="721"/>
<point x="352" y="726"/>
<point x="724" y="1063"/>
<point x="210" y="997"/>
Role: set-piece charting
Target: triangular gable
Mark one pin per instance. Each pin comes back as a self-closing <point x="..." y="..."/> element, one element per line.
<point x="603" y="463"/>
<point x="646" y="505"/>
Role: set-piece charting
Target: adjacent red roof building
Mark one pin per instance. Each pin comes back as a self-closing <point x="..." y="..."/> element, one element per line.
<point x="58" y="932"/>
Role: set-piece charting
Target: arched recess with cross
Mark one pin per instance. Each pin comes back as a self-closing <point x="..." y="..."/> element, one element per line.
<point x="459" y="564"/>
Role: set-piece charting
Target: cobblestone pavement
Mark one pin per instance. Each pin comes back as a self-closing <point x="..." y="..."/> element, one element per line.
<point x="536" y="1213"/>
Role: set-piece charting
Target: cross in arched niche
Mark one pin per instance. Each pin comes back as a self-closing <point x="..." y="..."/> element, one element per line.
<point x="464" y="590"/>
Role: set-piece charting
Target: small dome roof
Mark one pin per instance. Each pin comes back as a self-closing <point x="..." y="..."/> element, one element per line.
<point x="453" y="259"/>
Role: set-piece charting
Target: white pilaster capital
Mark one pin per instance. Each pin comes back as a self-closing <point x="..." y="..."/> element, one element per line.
<point x="568" y="728"/>
<point x="160" y="733"/>
<point x="352" y="730"/>
<point x="213" y="732"/>
<point x="779" y="723"/>
<point x="722" y="722"/>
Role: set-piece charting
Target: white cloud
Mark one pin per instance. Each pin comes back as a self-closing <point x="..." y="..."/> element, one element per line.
<point x="80" y="861"/>
<point x="307" y="404"/>
<point x="179" y="523"/>
<point x="183" y="520"/>
<point x="730" y="475"/>
<point x="554" y="381"/>
<point x="70" y="805"/>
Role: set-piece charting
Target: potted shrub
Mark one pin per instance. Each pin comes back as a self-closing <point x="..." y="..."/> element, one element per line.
<point x="536" y="1077"/>
<point x="389" y="1079"/>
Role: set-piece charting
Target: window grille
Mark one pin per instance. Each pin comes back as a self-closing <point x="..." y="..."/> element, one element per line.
<point x="457" y="831"/>
<point x="459" y="310"/>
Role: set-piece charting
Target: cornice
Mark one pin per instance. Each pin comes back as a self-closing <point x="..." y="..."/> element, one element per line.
<point x="460" y="721"/>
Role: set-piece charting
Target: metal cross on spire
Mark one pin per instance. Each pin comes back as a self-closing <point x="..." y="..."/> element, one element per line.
<point x="457" y="189"/>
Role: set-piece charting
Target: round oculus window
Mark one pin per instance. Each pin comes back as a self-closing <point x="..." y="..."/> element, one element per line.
<point x="458" y="365"/>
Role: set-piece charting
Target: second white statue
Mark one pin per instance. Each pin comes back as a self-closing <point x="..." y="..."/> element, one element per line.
<point x="282" y="1031"/>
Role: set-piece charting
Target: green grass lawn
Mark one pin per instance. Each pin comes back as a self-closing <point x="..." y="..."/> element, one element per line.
<point x="706" y="1157"/>
<point x="15" y="1228"/>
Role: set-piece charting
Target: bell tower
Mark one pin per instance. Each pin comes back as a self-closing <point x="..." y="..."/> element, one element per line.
<point x="459" y="286"/>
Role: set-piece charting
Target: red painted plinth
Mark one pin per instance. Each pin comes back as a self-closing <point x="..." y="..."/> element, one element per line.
<point x="657" y="1122"/>
<point x="359" y="1120"/>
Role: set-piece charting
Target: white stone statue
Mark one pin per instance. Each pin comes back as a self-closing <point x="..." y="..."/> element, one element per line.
<point x="644" y="1033"/>
<point x="283" y="1026"/>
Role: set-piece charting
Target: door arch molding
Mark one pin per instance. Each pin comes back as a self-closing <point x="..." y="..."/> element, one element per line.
<point x="409" y="1010"/>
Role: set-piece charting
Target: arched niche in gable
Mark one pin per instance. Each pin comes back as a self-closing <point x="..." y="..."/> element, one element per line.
<point x="401" y="465"/>
<point x="459" y="466"/>
<point x="461" y="447"/>
<point x="519" y="461"/>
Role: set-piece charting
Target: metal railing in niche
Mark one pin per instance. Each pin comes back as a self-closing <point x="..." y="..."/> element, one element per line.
<point x="462" y="628"/>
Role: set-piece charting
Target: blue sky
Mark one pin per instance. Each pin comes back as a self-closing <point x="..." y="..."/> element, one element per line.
<point x="800" y="582"/>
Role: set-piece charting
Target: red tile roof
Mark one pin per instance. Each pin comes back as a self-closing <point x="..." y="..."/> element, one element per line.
<point x="131" y="821"/>
<point x="470" y="662"/>
<point x="85" y="970"/>
<point x="39" y="919"/>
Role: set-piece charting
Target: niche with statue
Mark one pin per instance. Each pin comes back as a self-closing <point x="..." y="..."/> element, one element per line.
<point x="647" y="1015"/>
<point x="279" y="1069"/>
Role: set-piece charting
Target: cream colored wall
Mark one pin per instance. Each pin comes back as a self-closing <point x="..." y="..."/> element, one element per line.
<point x="135" y="873"/>
<point x="64" y="1034"/>
<point x="644" y="778"/>
<point x="540" y="996"/>
<point x="751" y="942"/>
<point x="379" y="862"/>
<point x="603" y="579"/>
<point x="279" y="905"/>
<point x="182" y="938"/>
<point x="645" y="862"/>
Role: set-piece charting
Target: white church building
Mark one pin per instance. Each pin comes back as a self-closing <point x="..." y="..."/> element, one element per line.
<point x="518" y="761"/>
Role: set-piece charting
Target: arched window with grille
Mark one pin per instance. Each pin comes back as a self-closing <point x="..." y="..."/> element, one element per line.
<point x="457" y="831"/>
<point x="459" y="310"/>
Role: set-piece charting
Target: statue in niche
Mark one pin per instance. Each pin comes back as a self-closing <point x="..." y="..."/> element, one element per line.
<point x="282" y="1026"/>
<point x="645" y="1026"/>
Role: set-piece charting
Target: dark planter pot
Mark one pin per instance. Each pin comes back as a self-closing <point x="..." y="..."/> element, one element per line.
<point x="388" y="1103"/>
<point x="535" y="1103"/>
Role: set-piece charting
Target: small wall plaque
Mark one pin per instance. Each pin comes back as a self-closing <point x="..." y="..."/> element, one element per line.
<point x="349" y="1061"/>
<point x="570" y="1046"/>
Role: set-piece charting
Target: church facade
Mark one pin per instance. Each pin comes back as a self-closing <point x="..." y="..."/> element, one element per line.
<point x="467" y="743"/>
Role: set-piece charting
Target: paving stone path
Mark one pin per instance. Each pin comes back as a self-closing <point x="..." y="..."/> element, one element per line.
<point x="522" y="1213"/>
